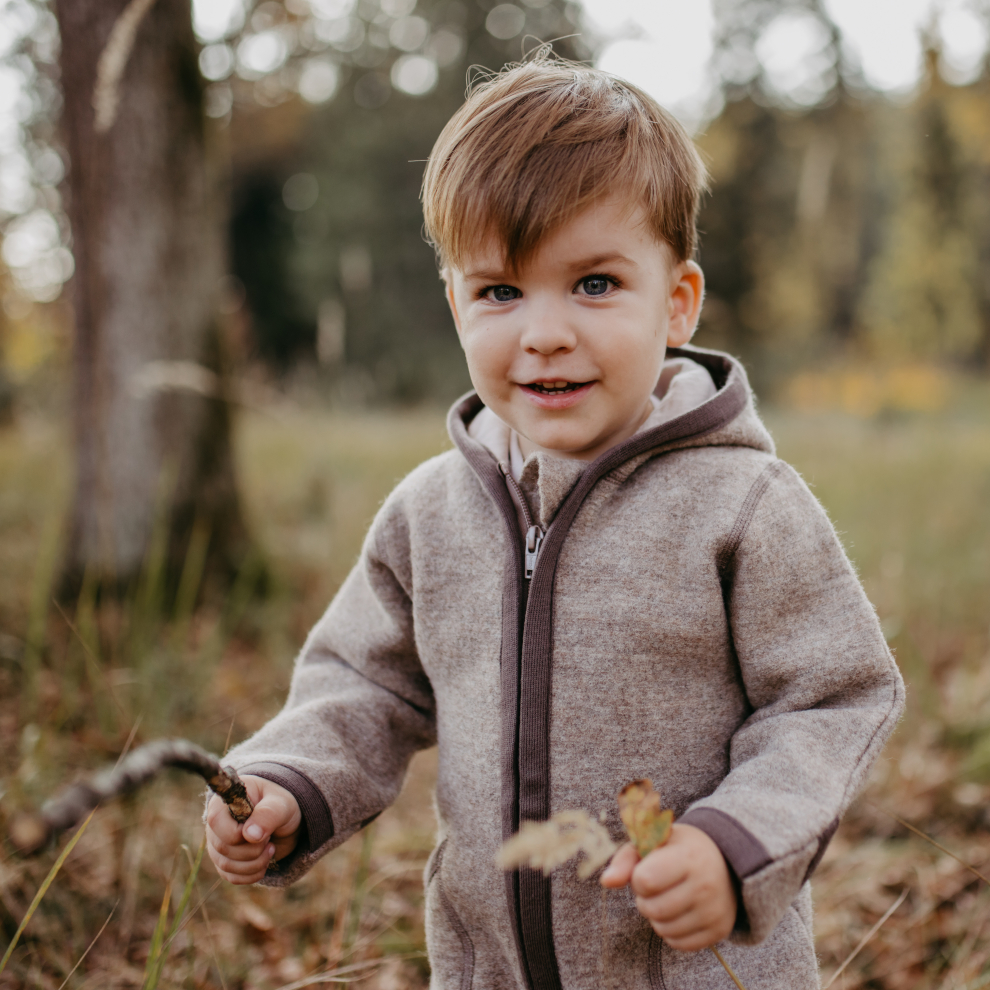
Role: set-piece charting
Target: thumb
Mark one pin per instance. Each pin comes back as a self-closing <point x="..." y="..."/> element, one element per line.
<point x="620" y="870"/>
<point x="270" y="815"/>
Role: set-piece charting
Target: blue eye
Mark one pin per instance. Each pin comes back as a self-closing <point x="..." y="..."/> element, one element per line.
<point x="502" y="293"/>
<point x="596" y="285"/>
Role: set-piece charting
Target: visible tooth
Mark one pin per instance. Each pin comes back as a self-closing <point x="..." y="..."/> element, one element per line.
<point x="560" y="384"/>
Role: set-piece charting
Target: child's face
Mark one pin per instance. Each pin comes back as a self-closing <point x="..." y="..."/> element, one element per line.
<point x="567" y="350"/>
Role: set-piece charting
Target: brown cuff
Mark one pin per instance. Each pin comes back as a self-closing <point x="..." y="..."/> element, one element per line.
<point x="317" y="823"/>
<point x="742" y="850"/>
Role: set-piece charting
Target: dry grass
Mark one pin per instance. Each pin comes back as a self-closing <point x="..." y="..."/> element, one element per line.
<point x="911" y="496"/>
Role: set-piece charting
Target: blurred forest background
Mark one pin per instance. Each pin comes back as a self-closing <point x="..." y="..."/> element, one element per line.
<point x="222" y="341"/>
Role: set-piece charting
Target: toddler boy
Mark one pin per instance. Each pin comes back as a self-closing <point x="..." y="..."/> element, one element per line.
<point x="610" y="577"/>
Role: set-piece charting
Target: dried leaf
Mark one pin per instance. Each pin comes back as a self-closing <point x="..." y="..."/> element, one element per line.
<point x="547" y="845"/>
<point x="646" y="822"/>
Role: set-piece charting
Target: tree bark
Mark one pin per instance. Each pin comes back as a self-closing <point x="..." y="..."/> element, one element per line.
<point x="152" y="454"/>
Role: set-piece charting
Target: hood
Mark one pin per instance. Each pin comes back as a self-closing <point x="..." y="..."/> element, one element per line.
<point x="727" y="417"/>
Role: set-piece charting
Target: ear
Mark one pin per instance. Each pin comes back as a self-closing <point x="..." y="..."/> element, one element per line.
<point x="448" y="283"/>
<point x="686" y="294"/>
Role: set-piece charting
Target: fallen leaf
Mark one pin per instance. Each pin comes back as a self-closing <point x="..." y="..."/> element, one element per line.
<point x="646" y="822"/>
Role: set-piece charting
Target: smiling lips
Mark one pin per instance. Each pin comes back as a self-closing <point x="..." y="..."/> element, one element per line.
<point x="554" y="388"/>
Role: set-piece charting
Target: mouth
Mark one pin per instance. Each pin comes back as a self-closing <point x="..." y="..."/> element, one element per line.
<point x="555" y="387"/>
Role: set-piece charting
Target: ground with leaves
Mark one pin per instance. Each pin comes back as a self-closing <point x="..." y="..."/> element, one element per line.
<point x="910" y="494"/>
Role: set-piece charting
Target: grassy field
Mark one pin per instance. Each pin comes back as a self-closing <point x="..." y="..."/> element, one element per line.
<point x="910" y="496"/>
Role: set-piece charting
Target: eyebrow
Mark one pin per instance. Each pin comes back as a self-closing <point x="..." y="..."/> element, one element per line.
<point x="489" y="275"/>
<point x="582" y="264"/>
<point x="602" y="259"/>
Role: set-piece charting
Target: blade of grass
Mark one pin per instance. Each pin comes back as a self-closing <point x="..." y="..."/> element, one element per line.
<point x="937" y="845"/>
<point x="90" y="946"/>
<point x="230" y="732"/>
<point x="130" y="740"/>
<point x="201" y="905"/>
<point x="184" y="900"/>
<point x="866" y="938"/>
<point x="43" y="889"/>
<point x="360" y="891"/>
<point x="151" y="970"/>
<point x="41" y="585"/>
<point x="93" y="661"/>
<point x="727" y="968"/>
<point x="209" y="935"/>
<point x="346" y="974"/>
<point x="335" y="947"/>
<point x="192" y="577"/>
<point x="250" y="703"/>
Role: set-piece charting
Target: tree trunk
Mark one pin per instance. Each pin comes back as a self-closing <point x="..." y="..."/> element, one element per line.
<point x="152" y="426"/>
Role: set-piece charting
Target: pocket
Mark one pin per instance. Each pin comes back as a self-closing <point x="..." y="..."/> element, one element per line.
<point x="448" y="942"/>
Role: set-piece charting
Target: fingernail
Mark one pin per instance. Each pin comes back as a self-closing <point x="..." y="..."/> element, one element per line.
<point x="254" y="832"/>
<point x="271" y="851"/>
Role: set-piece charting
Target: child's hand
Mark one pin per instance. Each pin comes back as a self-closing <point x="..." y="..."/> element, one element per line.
<point x="683" y="888"/>
<point x="241" y="853"/>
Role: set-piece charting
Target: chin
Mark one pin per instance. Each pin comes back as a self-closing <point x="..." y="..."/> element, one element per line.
<point x="565" y="446"/>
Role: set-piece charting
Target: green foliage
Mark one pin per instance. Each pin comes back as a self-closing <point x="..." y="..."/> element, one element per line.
<point x="358" y="249"/>
<point x="160" y="945"/>
<point x="846" y="228"/>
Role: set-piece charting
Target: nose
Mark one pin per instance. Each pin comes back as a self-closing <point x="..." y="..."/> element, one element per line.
<point x="547" y="328"/>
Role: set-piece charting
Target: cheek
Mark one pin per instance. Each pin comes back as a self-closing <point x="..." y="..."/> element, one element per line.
<point x="634" y="357"/>
<point x="488" y="349"/>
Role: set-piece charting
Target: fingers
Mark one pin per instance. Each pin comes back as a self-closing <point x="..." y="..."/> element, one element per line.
<point x="685" y="891"/>
<point x="621" y="868"/>
<point x="662" y="870"/>
<point x="686" y="921"/>
<point x="219" y="821"/>
<point x="243" y="863"/>
<point x="242" y="853"/>
<point x="695" y="930"/>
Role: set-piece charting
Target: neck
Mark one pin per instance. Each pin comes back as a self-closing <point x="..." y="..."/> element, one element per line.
<point x="527" y="447"/>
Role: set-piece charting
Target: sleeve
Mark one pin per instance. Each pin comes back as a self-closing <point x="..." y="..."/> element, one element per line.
<point x="824" y="692"/>
<point x="359" y="705"/>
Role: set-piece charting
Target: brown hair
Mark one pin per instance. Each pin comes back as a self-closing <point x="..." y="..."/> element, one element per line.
<point x="539" y="142"/>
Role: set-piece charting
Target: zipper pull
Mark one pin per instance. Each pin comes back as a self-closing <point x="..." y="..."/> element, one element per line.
<point x="531" y="550"/>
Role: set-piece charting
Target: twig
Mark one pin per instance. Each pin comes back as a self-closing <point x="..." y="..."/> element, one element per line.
<point x="90" y="946"/>
<point x="866" y="938"/>
<point x="937" y="845"/>
<point x="43" y="889"/>
<point x="30" y="832"/>
<point x="727" y="968"/>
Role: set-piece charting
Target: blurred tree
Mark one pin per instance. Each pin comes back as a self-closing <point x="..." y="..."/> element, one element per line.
<point x="787" y="227"/>
<point x="326" y="232"/>
<point x="152" y="425"/>
<point x="843" y="225"/>
<point x="927" y="296"/>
